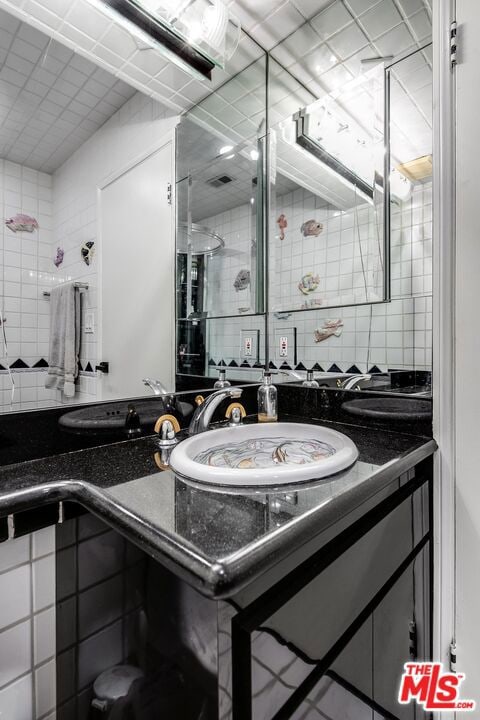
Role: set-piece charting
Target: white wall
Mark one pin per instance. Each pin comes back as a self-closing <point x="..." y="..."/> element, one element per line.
<point x="467" y="349"/>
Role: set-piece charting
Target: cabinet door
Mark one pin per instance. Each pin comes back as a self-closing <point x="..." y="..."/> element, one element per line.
<point x="391" y="645"/>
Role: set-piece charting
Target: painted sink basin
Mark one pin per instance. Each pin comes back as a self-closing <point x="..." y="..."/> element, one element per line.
<point x="263" y="454"/>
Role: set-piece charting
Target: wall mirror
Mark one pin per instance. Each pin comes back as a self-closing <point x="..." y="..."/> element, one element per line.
<point x="221" y="240"/>
<point x="85" y="162"/>
<point x="87" y="178"/>
<point x="328" y="241"/>
<point x="371" y="336"/>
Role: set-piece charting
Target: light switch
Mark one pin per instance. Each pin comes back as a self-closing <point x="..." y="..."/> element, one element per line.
<point x="89" y="323"/>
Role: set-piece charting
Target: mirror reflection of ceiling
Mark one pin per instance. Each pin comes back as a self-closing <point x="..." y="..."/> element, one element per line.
<point x="326" y="53"/>
<point x="84" y="25"/>
<point x="323" y="56"/>
<point x="236" y="165"/>
<point x="51" y="99"/>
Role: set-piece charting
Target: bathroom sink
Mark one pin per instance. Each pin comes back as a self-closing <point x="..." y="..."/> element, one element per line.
<point x="406" y="409"/>
<point x="263" y="454"/>
<point x="110" y="417"/>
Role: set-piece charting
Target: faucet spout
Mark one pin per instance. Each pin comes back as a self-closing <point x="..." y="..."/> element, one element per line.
<point x="203" y="414"/>
<point x="155" y="385"/>
<point x="351" y="382"/>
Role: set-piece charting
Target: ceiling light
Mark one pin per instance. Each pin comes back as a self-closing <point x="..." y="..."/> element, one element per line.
<point x="229" y="157"/>
<point x="254" y="154"/>
<point x="208" y="23"/>
<point x="225" y="149"/>
<point x="197" y="35"/>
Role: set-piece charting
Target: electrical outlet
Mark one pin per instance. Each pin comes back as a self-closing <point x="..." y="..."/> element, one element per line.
<point x="249" y="344"/>
<point x="286" y="345"/>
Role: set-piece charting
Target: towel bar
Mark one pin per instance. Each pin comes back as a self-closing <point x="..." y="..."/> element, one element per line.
<point x="81" y="286"/>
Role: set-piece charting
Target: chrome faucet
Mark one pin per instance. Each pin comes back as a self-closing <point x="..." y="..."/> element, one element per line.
<point x="204" y="412"/>
<point x="288" y="373"/>
<point x="155" y="385"/>
<point x="349" y="383"/>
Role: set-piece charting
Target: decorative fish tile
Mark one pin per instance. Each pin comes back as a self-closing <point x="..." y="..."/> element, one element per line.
<point x="309" y="283"/>
<point x="242" y="281"/>
<point x="21" y="223"/>
<point x="282" y="224"/>
<point x="311" y="228"/>
<point x="329" y="328"/>
<point x="59" y="257"/>
<point x="88" y="251"/>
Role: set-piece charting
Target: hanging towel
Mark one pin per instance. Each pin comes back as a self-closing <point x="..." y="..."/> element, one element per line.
<point x="64" y="339"/>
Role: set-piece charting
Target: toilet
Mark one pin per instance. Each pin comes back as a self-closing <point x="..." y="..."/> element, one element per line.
<point x="112" y="685"/>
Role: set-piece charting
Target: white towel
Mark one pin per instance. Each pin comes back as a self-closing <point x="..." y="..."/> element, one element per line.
<point x="64" y="339"/>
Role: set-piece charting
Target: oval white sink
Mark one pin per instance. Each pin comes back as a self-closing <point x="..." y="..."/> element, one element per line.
<point x="263" y="454"/>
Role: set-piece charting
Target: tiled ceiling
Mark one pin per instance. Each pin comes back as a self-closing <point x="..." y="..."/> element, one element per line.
<point x="51" y="99"/>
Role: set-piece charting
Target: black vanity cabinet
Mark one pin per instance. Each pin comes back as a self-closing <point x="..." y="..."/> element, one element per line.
<point x="322" y="633"/>
<point x="334" y="633"/>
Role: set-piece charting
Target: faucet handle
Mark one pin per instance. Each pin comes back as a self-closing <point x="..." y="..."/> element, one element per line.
<point x="167" y="427"/>
<point x="235" y="413"/>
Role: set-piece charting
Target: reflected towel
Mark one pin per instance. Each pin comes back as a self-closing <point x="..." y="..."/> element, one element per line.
<point x="64" y="339"/>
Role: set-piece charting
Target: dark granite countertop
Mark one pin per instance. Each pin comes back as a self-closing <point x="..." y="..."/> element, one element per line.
<point x="216" y="540"/>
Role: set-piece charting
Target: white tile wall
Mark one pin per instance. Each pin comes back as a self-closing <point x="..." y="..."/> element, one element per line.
<point x="390" y="335"/>
<point x="27" y="265"/>
<point x="237" y="228"/>
<point x="27" y="634"/>
<point x="345" y="255"/>
<point x="224" y="343"/>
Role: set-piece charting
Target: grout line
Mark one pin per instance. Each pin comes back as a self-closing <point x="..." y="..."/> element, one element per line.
<point x="32" y="629"/>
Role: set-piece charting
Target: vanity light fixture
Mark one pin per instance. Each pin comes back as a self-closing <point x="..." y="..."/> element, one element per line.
<point x="176" y="32"/>
<point x="316" y="148"/>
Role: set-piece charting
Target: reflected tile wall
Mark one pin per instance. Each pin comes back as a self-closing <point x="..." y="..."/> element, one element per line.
<point x="27" y="267"/>
<point x="394" y="335"/>
<point x="117" y="606"/>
